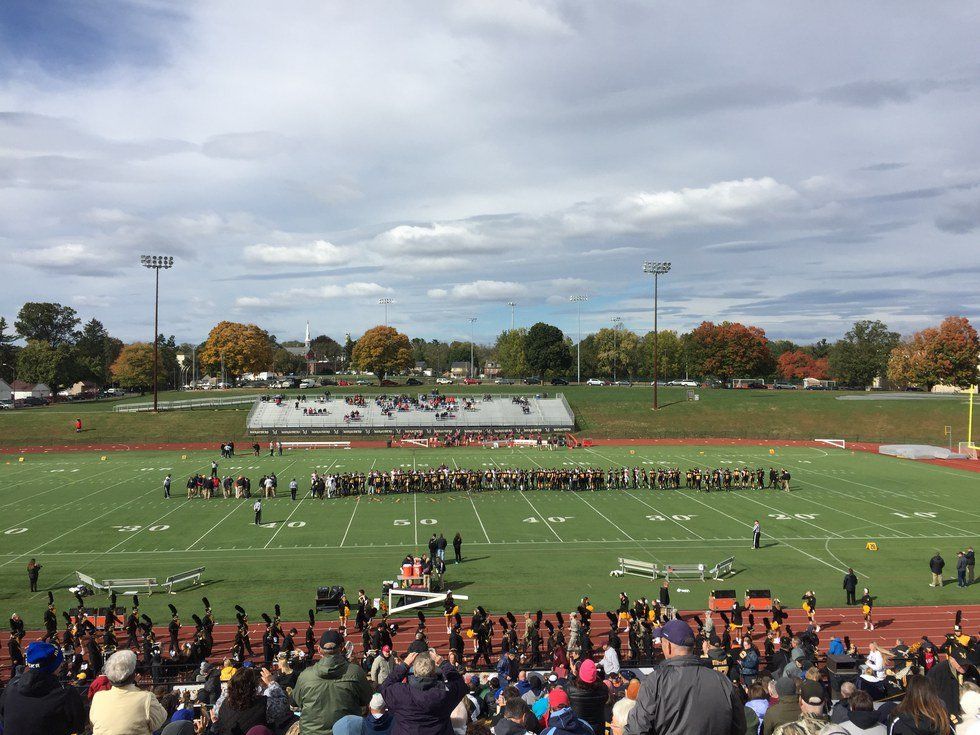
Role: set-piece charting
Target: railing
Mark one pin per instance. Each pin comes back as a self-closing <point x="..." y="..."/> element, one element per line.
<point x="189" y="404"/>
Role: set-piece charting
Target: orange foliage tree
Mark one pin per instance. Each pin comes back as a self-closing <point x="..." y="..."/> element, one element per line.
<point x="730" y="350"/>
<point x="244" y="348"/>
<point x="382" y="351"/>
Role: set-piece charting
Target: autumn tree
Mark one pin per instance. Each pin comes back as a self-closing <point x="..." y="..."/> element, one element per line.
<point x="241" y="348"/>
<point x="862" y="355"/>
<point x="509" y="353"/>
<point x="133" y="368"/>
<point x="945" y="354"/>
<point x="797" y="364"/>
<point x="546" y="350"/>
<point x="730" y="350"/>
<point x="382" y="351"/>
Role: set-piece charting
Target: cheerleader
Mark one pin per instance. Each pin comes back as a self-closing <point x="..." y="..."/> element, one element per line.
<point x="343" y="610"/>
<point x="778" y="616"/>
<point x="450" y="610"/>
<point x="624" y="611"/>
<point x="867" y="604"/>
<point x="810" y="608"/>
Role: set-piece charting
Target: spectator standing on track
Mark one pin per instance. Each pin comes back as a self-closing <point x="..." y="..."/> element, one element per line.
<point x="971" y="562"/>
<point x="680" y="696"/>
<point x="37" y="703"/>
<point x="936" y="565"/>
<point x="850" y="586"/>
<point x="33" y="571"/>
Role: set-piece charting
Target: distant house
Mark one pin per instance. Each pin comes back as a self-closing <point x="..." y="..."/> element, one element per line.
<point x="459" y="369"/>
<point x="6" y="394"/>
<point x="82" y="386"/>
<point x="491" y="370"/>
<point x="23" y="390"/>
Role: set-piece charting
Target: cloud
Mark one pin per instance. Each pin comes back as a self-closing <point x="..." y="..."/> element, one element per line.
<point x="292" y="298"/>
<point x="960" y="218"/>
<point x="245" y="146"/>
<point x="434" y="239"/>
<point x="71" y="257"/>
<point x="318" y="252"/>
<point x="482" y="290"/>
<point x="523" y="17"/>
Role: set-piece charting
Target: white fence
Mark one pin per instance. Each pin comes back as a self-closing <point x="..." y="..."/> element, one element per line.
<point x="189" y="404"/>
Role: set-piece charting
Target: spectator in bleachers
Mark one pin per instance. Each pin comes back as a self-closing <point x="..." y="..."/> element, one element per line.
<point x="921" y="711"/>
<point x="786" y="709"/>
<point x="813" y="706"/>
<point x="562" y="719"/>
<point x="36" y="703"/>
<point x="588" y="695"/>
<point x="421" y="694"/>
<point x="331" y="688"/>
<point x="838" y="713"/>
<point x="861" y="718"/>
<point x="379" y="720"/>
<point x="512" y="720"/>
<point x="125" y="709"/>
<point x="253" y="699"/>
<point x="944" y="678"/>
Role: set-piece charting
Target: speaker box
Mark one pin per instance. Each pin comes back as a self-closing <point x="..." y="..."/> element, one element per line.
<point x="841" y="664"/>
<point x="328" y="598"/>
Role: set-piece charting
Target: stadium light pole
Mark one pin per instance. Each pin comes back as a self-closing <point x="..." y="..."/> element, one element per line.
<point x="617" y="322"/>
<point x="577" y="300"/>
<point x="513" y="306"/>
<point x="386" y="302"/>
<point x="658" y="269"/>
<point x="472" y="321"/>
<point x="156" y="263"/>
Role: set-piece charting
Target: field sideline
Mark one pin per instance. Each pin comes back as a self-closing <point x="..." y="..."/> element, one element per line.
<point x="522" y="550"/>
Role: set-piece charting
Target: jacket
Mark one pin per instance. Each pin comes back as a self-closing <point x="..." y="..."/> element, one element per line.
<point x="380" y="668"/>
<point x="750" y="664"/>
<point x="509" y="727"/>
<point x="564" y="722"/>
<point x="810" y="724"/>
<point x="377" y="725"/>
<point x="850" y="582"/>
<point x="947" y="685"/>
<point x="232" y="721"/>
<point x="423" y="706"/>
<point x="126" y="710"/>
<point x="38" y="704"/>
<point x="936" y="564"/>
<point x="904" y="725"/>
<point x="327" y="691"/>
<point x="680" y="696"/>
<point x="785" y="710"/>
<point x="588" y="702"/>
<point x="859" y="722"/>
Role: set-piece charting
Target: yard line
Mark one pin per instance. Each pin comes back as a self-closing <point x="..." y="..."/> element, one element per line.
<point x="487" y="535"/>
<point x="283" y="524"/>
<point x="550" y="528"/>
<point x="234" y="508"/>
<point x="351" y="521"/>
<point x="415" y="507"/>
<point x="80" y="479"/>
<point x="669" y="518"/>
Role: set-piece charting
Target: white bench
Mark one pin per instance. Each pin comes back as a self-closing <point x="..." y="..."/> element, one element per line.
<point x="88" y="581"/>
<point x="639" y="568"/>
<point x="722" y="568"/>
<point x="690" y="571"/>
<point x="315" y="445"/>
<point x="126" y="585"/>
<point x="191" y="574"/>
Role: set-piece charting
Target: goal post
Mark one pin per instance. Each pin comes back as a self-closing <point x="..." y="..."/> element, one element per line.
<point x="838" y="443"/>
<point x="967" y="451"/>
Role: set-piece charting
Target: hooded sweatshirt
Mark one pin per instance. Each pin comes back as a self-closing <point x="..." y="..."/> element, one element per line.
<point x="566" y="722"/>
<point x="38" y="704"/>
<point x="329" y="690"/>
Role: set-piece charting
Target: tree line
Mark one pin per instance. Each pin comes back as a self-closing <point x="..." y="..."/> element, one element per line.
<point x="58" y="350"/>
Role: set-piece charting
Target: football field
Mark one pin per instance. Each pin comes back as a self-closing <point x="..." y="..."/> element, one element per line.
<point x="538" y="549"/>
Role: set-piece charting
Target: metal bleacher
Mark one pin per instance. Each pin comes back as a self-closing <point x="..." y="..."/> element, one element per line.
<point x="551" y="413"/>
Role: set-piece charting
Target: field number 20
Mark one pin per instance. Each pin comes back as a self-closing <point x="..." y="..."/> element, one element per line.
<point x="797" y="516"/>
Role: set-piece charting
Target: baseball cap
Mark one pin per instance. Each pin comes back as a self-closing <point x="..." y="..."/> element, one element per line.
<point x="42" y="655"/>
<point x="377" y="701"/>
<point x="331" y="638"/>
<point x="557" y="699"/>
<point x="385" y="649"/>
<point x="813" y="693"/>
<point x="677" y="632"/>
<point x="587" y="671"/>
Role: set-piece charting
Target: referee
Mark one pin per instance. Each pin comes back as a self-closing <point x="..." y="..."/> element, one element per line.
<point x="756" y="534"/>
<point x="257" y="507"/>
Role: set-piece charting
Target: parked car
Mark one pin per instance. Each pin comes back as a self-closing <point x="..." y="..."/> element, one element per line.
<point x="784" y="386"/>
<point x="6" y="405"/>
<point x="471" y="381"/>
<point x="816" y="387"/>
<point x="388" y="383"/>
<point x="595" y="381"/>
<point x="559" y="381"/>
<point x="533" y="380"/>
<point x="362" y="381"/>
<point x="413" y="381"/>
<point x="504" y="381"/>
<point x="627" y="383"/>
<point x="328" y="382"/>
<point x="343" y="383"/>
<point x="684" y="383"/>
<point x="444" y="381"/>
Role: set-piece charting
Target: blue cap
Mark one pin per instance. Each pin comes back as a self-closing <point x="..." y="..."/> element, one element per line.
<point x="43" y="656"/>
<point x="677" y="632"/>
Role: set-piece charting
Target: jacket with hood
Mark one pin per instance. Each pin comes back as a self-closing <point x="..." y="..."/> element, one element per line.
<point x="380" y="725"/>
<point x="38" y="704"/>
<point x="681" y="696"/>
<point x="905" y="725"/>
<point x="509" y="727"/>
<point x="422" y="706"/>
<point x="329" y="690"/>
<point x="858" y="722"/>
<point x="565" y="722"/>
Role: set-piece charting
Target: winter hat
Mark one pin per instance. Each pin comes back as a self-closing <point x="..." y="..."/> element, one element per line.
<point x="557" y="699"/>
<point x="377" y="702"/>
<point x="813" y="693"/>
<point x="785" y="687"/>
<point x="587" y="671"/>
<point x="44" y="657"/>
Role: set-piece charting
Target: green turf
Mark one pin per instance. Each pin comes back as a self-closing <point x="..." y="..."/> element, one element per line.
<point x="537" y="549"/>
<point x="606" y="411"/>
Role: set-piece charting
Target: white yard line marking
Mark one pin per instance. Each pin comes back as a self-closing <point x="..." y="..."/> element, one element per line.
<point x="351" y="521"/>
<point x="203" y="535"/>
<point x="669" y="518"/>
<point x="487" y="535"/>
<point x="523" y="495"/>
<point x="415" y="510"/>
<point x="78" y="500"/>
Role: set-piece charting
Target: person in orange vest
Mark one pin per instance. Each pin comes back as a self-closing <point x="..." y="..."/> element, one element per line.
<point x="78" y="426"/>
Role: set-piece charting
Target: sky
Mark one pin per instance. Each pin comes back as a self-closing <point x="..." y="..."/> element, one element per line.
<point x="801" y="165"/>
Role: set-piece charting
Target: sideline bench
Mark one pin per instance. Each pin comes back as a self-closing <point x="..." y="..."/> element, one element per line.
<point x="315" y="445"/>
<point x="690" y="571"/>
<point x="125" y="585"/>
<point x="722" y="568"/>
<point x="191" y="574"/>
<point x="88" y="581"/>
<point x="639" y="568"/>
